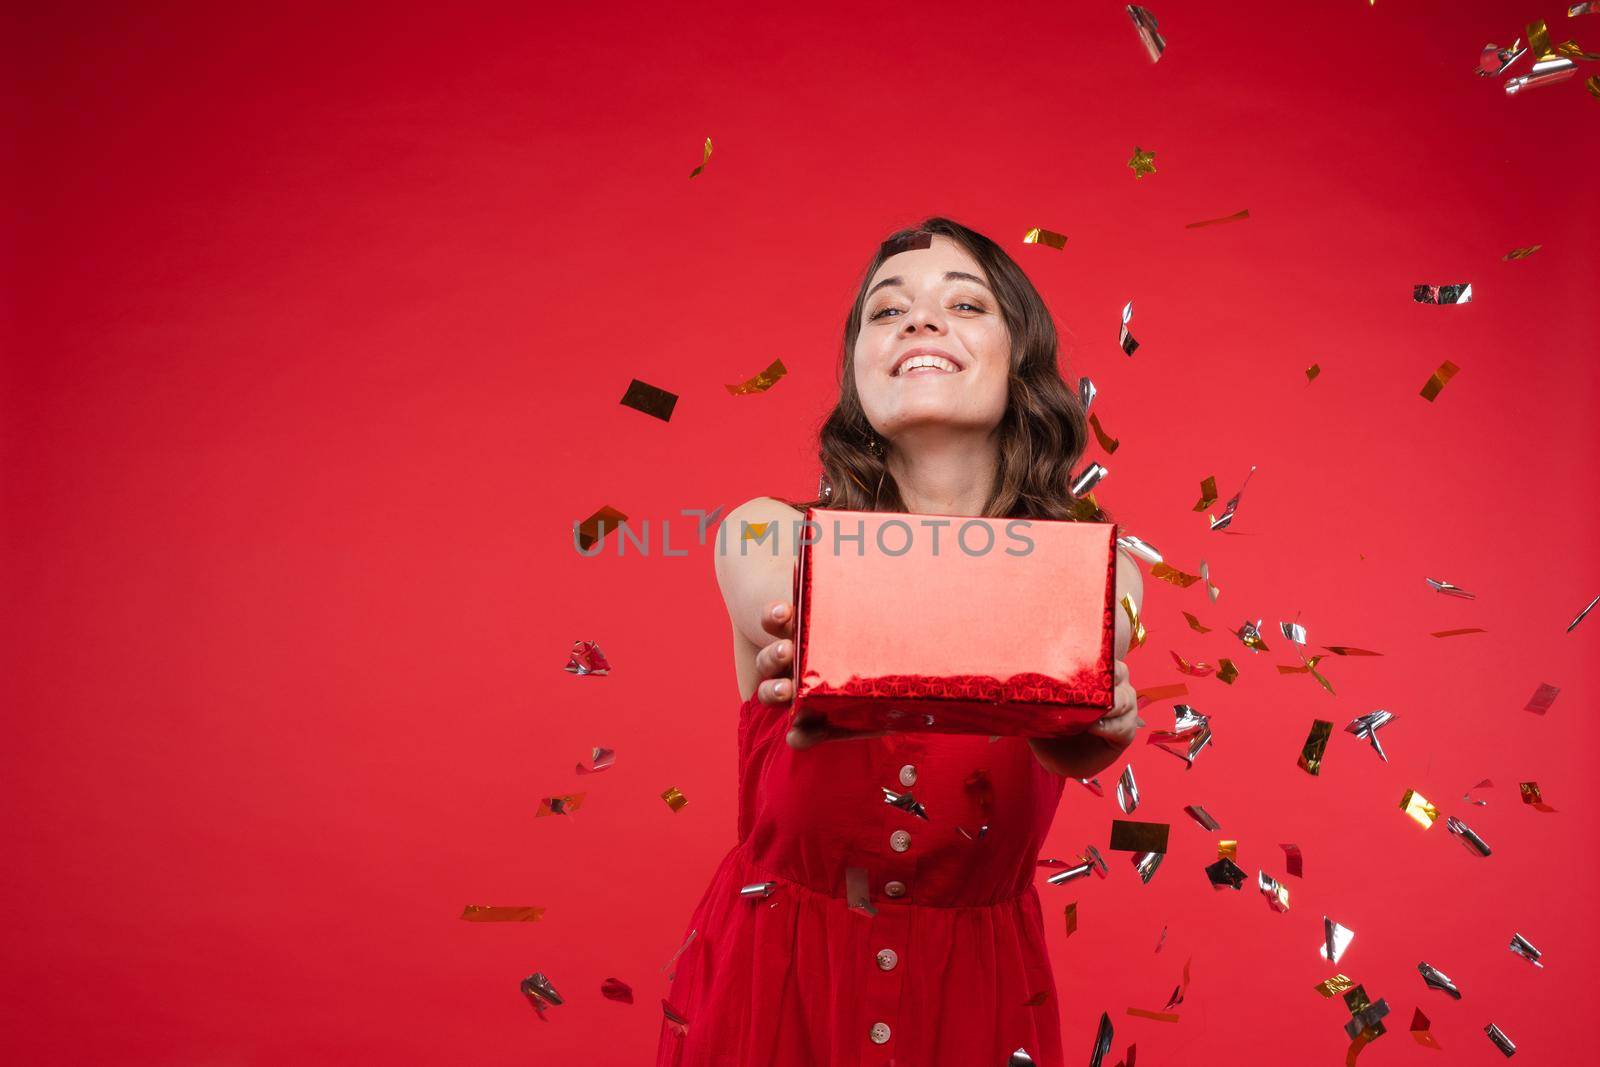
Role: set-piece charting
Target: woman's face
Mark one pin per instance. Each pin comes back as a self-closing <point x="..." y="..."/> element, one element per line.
<point x="932" y="302"/>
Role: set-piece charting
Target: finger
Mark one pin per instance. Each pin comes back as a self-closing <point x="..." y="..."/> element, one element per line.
<point x="778" y="619"/>
<point x="775" y="660"/>
<point x="775" y="691"/>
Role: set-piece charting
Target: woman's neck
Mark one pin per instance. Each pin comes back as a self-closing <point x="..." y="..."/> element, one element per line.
<point x="944" y="474"/>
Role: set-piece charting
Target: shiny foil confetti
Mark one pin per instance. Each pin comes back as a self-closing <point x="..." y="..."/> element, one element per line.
<point x="1086" y="393"/>
<point x="1140" y="549"/>
<point x="1019" y="1058"/>
<point x="617" y="990"/>
<point x="586" y="658"/>
<point x="904" y="801"/>
<point x="1145" y="864"/>
<point x="1532" y="797"/>
<point x="1091" y="476"/>
<point x="1037" y="236"/>
<point x="1072" y="918"/>
<point x="1335" y="940"/>
<point x="1493" y="60"/>
<point x="1520" y="253"/>
<point x="1136" y="633"/>
<point x="1157" y="693"/>
<point x="1293" y="631"/>
<point x="1587" y="608"/>
<point x="1142" y="162"/>
<point x="1195" y="625"/>
<point x="1249" y="634"/>
<point x="1102" y="1041"/>
<point x="1083" y="510"/>
<point x="706" y="158"/>
<point x="1501" y="1041"/>
<point x="909" y="242"/>
<point x="1458" y="633"/>
<point x="1145" y="24"/>
<point x="1312" y="372"/>
<point x="1173" y="576"/>
<point x="599" y="759"/>
<point x="1194" y="670"/>
<point x="1223" y="521"/>
<point x="1082" y="869"/>
<point x="1096" y="861"/>
<point x="761" y="382"/>
<point x="1316" y="744"/>
<point x="1442" y="294"/>
<point x="1201" y="816"/>
<point x="641" y="396"/>
<point x="670" y="968"/>
<point x="1155" y="1016"/>
<point x="1129" y="836"/>
<point x="856" y="891"/>
<point x="675" y="800"/>
<point x="1449" y="589"/>
<point x="561" y="805"/>
<point x="1228" y="849"/>
<point x="1294" y="860"/>
<point x="1592" y="83"/>
<point x="1092" y="785"/>
<point x="1591" y="7"/>
<point x="1237" y="216"/>
<point x="1418" y="808"/>
<point x="1107" y="442"/>
<point x="1543" y="698"/>
<point x="1440" y="377"/>
<point x="1470" y="799"/>
<point x="483" y="913"/>
<point x="1191" y="732"/>
<point x="540" y="993"/>
<point x="1367" y="727"/>
<point x="1125" y="338"/>
<point x="1227" y="672"/>
<point x="1205" y="575"/>
<point x="1461" y="830"/>
<point x="676" y="1021"/>
<point x="1127" y="791"/>
<point x="1524" y="948"/>
<point x="1546" y="71"/>
<point x="1346" y="650"/>
<point x="1332" y="987"/>
<point x="757" y="889"/>
<point x="1225" y="874"/>
<point x="1420" y="1031"/>
<point x="1208" y="493"/>
<point x="1437" y="979"/>
<point x="1275" y="892"/>
<point x="1309" y="667"/>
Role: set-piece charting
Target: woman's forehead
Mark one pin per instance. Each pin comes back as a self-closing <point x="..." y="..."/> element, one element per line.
<point x="942" y="255"/>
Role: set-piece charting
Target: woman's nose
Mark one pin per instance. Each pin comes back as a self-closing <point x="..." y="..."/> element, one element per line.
<point x="923" y="318"/>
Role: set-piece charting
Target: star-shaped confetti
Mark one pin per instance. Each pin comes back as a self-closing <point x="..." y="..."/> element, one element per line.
<point x="1142" y="162"/>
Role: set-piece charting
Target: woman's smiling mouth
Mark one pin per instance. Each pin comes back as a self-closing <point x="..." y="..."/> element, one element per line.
<point x="924" y="361"/>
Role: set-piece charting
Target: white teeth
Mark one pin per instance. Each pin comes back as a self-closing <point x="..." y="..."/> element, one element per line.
<point x="927" y="361"/>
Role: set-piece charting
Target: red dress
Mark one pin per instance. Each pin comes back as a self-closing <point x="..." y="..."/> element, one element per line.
<point x="952" y="971"/>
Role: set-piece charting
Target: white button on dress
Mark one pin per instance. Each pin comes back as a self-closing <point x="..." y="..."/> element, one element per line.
<point x="894" y="889"/>
<point x="887" y="958"/>
<point x="908" y="775"/>
<point x="880" y="1033"/>
<point x="900" y="840"/>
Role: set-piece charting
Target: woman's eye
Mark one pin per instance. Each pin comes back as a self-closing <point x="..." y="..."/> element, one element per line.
<point x="964" y="304"/>
<point x="882" y="312"/>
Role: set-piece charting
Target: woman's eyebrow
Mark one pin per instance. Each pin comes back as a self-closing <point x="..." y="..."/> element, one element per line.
<point x="949" y="276"/>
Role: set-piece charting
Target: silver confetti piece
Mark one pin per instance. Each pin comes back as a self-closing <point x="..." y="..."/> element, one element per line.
<point x="1524" y="948"/>
<point x="1145" y="24"/>
<point x="1367" y="727"/>
<point x="1020" y="1058"/>
<point x="1127" y="791"/>
<point x="1190" y="729"/>
<point x="1443" y="294"/>
<point x="1140" y="549"/>
<point x="1437" y="979"/>
<point x="1126" y="340"/>
<point x="1501" y="1041"/>
<point x="1102" y="1041"/>
<point x="1450" y="588"/>
<point x="670" y="968"/>
<point x="1223" y="521"/>
<point x="1086" y="393"/>
<point x="1546" y="71"/>
<point x="1203" y="817"/>
<point x="1225" y="874"/>
<point x="1335" y="939"/>
<point x="1146" y="863"/>
<point x="1249" y="634"/>
<point x="1088" y="479"/>
<point x="1467" y="836"/>
<point x="903" y="801"/>
<point x="1071" y="874"/>
<point x="1276" y="893"/>
<point x="758" y="889"/>
<point x="1588" y="608"/>
<point x="1093" y="786"/>
<point x="1470" y="799"/>
<point x="1092" y="854"/>
<point x="1493" y="60"/>
<point x="1368" y="1018"/>
<point x="1293" y="631"/>
<point x="540" y="993"/>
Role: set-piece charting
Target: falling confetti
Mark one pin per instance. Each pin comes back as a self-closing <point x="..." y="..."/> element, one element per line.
<point x="1129" y="836"/>
<point x="704" y="159"/>
<point x="1346" y="650"/>
<point x="1227" y="671"/>
<point x="1249" y="634"/>
<point x="540" y="993"/>
<point x="1524" y="948"/>
<point x="561" y="805"/>
<point x="1125" y="338"/>
<point x="1235" y="217"/>
<point x="1450" y="588"/>
<point x="1434" y="384"/>
<point x="1136" y="632"/>
<point x="1316" y="744"/>
<point x="1367" y="727"/>
<point x="1091" y="476"/>
<point x="1467" y="836"/>
<point x="1142" y="162"/>
<point x="1587" y="608"/>
<point x="1208" y="493"/>
<point x="1335" y="940"/>
<point x="1194" y="670"/>
<point x="1437" y="979"/>
<point x="1442" y="294"/>
<point x="1542" y="699"/>
<point x="1160" y="692"/>
<point x="1521" y="253"/>
<point x="1312" y="372"/>
<point x="1420" y="1031"/>
<point x="1501" y="1041"/>
<point x="1127" y="791"/>
<point x="641" y="396"/>
<point x="1532" y="797"/>
<point x="1107" y="442"/>
<point x="1294" y="860"/>
<point x="1145" y="24"/>
<point x="1195" y="624"/>
<point x="600" y="759"/>
<point x="1275" y="892"/>
<point x="482" y="913"/>
<point x="1201" y="816"/>
<point x="617" y="990"/>
<point x="1417" y="806"/>
<point x="675" y="800"/>
<point x="1173" y="576"/>
<point x="1037" y="236"/>
<point x="1223" y="521"/>
<point x="589" y="532"/>
<point x="761" y="382"/>
<point x="1458" y="633"/>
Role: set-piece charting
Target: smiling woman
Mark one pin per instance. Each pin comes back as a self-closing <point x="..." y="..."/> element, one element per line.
<point x="842" y="929"/>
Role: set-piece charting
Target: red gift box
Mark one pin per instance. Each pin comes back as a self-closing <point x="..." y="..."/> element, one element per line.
<point x="951" y="624"/>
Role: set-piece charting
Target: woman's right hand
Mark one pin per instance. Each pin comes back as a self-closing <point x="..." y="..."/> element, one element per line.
<point x="775" y="668"/>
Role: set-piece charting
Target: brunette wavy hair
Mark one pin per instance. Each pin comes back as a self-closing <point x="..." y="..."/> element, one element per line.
<point x="1042" y="434"/>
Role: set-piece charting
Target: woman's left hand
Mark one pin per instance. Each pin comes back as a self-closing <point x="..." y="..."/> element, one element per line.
<point x="1117" y="726"/>
<point x="1087" y="753"/>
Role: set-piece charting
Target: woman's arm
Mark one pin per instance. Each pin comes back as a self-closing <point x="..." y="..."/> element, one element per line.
<point x="751" y="575"/>
<point x="1087" y="754"/>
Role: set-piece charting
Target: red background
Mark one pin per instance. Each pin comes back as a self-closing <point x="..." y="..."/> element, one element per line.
<point x="318" y="323"/>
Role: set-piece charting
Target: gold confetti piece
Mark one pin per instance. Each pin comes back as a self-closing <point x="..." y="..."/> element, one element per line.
<point x="1208" y="493"/>
<point x="755" y="530"/>
<point x="1532" y="797"/>
<point x="1417" y="806"/>
<point x="1543" y="697"/>
<point x="1072" y="918"/>
<point x="1142" y="162"/>
<point x="1587" y="608"/>
<point x="1085" y="508"/>
<point x="1592" y="83"/>
<point x="1226" y="671"/>
<point x="1249" y="634"/>
<point x="1160" y="692"/>
<point x="1195" y="670"/>
<point x="1136" y="634"/>
<point x="1129" y="836"/>
<point x="704" y="159"/>
<point x="1312" y="372"/>
<point x="482" y="913"/>
<point x="1332" y="987"/>
<point x="562" y="805"/>
<point x="1173" y="576"/>
<point x="641" y="396"/>
<point x="1195" y="624"/>
<point x="1107" y="442"/>
<point x="761" y="382"/>
<point x="1538" y="39"/>
<point x="1125" y="338"/>
<point x="591" y="530"/>
<point x="1316" y="744"/>
<point x="1227" y="850"/>
<point x="1458" y="633"/>
<point x="1420" y="1031"/>
<point x="1037" y="236"/>
<point x="1346" y="650"/>
<point x="1145" y="24"/>
<point x="1521" y="253"/>
<point x="1158" y="1016"/>
<point x="675" y="800"/>
<point x="1235" y="217"/>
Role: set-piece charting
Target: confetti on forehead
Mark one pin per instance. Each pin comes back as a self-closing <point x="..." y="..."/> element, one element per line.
<point x="905" y="243"/>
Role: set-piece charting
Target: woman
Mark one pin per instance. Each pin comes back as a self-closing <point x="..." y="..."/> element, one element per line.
<point x="951" y="403"/>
